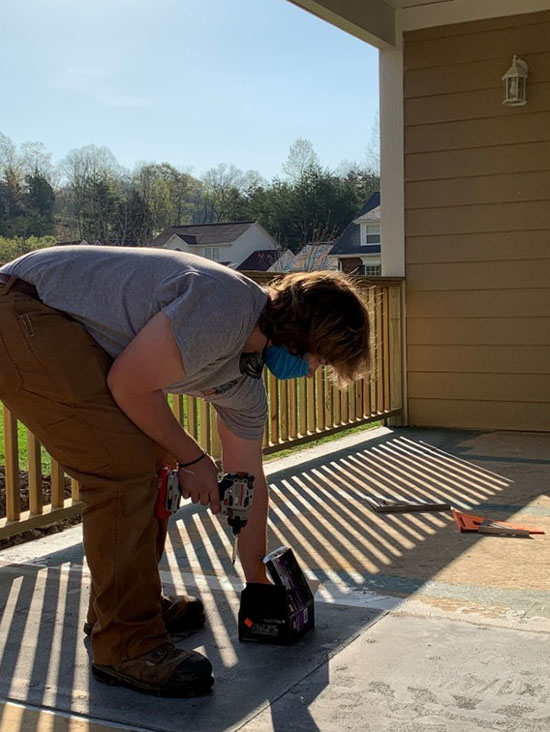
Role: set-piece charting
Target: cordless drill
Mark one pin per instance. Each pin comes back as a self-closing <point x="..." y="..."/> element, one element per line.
<point x="236" y="493"/>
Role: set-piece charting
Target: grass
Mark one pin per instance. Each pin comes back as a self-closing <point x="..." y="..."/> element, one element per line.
<point x="22" y="446"/>
<point x="22" y="449"/>
<point x="320" y="441"/>
<point x="45" y="458"/>
<point x="23" y="456"/>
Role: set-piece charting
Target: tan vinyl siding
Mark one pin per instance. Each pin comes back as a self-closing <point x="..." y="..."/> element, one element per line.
<point x="477" y="225"/>
<point x="486" y="359"/>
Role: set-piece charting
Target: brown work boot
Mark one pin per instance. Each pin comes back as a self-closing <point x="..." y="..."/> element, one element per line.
<point x="181" y="614"/>
<point x="164" y="671"/>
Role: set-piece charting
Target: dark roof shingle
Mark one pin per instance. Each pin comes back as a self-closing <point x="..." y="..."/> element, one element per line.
<point x="349" y="241"/>
<point x="260" y="260"/>
<point x="204" y="234"/>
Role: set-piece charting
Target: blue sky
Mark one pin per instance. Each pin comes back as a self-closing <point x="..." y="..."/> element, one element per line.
<point x="191" y="82"/>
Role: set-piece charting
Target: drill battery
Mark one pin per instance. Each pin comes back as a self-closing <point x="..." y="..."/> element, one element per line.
<point x="280" y="613"/>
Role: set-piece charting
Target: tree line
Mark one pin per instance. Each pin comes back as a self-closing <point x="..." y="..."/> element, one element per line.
<point x="88" y="195"/>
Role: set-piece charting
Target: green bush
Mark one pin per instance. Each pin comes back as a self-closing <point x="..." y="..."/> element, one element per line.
<point x="12" y="248"/>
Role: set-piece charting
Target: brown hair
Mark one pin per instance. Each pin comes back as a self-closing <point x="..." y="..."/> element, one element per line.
<point x="321" y="313"/>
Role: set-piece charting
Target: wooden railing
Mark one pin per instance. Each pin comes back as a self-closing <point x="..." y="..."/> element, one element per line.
<point x="300" y="410"/>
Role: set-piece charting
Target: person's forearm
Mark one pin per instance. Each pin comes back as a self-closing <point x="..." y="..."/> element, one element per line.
<point x="152" y="414"/>
<point x="243" y="454"/>
<point x="253" y="538"/>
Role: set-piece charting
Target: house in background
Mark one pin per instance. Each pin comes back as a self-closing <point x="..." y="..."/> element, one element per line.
<point x="313" y="256"/>
<point x="229" y="244"/>
<point x="357" y="250"/>
<point x="262" y="260"/>
<point x="284" y="263"/>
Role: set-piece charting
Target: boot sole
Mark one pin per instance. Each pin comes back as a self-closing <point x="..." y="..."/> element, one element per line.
<point x="194" y="688"/>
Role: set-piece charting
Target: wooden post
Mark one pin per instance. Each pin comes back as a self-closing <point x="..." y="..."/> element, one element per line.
<point x="329" y="408"/>
<point x="320" y="396"/>
<point x="367" y="410"/>
<point x="379" y="352"/>
<point x="283" y="409"/>
<point x="216" y="447"/>
<point x="396" y="375"/>
<point x="302" y="391"/>
<point x="373" y="351"/>
<point x="359" y="399"/>
<point x="345" y="405"/>
<point x="192" y="421"/>
<point x="337" y="405"/>
<point x="292" y="409"/>
<point x="352" y="401"/>
<point x="13" y="503"/>
<point x="75" y="490"/>
<point x="36" y="496"/>
<point x="273" y="410"/>
<point x="204" y="440"/>
<point x="311" y="411"/>
<point x="58" y="485"/>
<point x="177" y="407"/>
<point x="267" y="423"/>
<point x="386" y="347"/>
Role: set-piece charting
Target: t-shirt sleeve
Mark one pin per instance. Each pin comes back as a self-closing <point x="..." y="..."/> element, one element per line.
<point x="205" y="324"/>
<point x="244" y="409"/>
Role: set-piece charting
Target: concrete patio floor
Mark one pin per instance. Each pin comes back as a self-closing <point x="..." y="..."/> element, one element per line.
<point x="418" y="627"/>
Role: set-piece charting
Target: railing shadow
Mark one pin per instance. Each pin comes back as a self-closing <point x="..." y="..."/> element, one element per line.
<point x="340" y="538"/>
<point x="318" y="507"/>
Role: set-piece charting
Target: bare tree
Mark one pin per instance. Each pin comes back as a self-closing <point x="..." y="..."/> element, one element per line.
<point x="224" y="192"/>
<point x="93" y="176"/>
<point x="8" y="155"/>
<point x="301" y="158"/>
<point x="88" y="162"/>
<point x="34" y="159"/>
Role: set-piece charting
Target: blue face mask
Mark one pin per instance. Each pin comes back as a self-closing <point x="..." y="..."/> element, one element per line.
<point x="284" y="365"/>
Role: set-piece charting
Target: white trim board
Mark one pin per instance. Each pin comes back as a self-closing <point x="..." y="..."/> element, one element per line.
<point x="392" y="163"/>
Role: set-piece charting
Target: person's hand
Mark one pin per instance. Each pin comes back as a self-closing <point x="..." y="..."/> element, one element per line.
<point x="199" y="482"/>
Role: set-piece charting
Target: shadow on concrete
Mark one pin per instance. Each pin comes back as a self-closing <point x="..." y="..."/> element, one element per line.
<point x="45" y="658"/>
<point x="318" y="508"/>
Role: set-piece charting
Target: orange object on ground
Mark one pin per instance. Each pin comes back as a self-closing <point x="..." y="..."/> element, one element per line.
<point x="469" y="522"/>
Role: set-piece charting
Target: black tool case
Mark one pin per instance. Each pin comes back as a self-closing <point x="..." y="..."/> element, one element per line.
<point x="280" y="613"/>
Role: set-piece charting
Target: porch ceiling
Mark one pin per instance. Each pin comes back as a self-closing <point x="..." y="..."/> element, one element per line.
<point x="370" y="20"/>
<point x="381" y="22"/>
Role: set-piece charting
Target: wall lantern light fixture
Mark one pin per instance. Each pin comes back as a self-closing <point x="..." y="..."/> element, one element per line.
<point x="515" y="83"/>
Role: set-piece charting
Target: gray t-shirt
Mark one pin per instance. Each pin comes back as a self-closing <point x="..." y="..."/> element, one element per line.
<point x="115" y="291"/>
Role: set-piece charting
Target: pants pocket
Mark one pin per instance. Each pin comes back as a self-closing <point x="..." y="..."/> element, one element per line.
<point x="71" y="444"/>
<point x="65" y="352"/>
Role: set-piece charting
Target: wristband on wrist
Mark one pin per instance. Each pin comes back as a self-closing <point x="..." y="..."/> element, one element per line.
<point x="196" y="460"/>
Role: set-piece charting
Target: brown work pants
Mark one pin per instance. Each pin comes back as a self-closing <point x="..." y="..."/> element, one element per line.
<point x="53" y="378"/>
